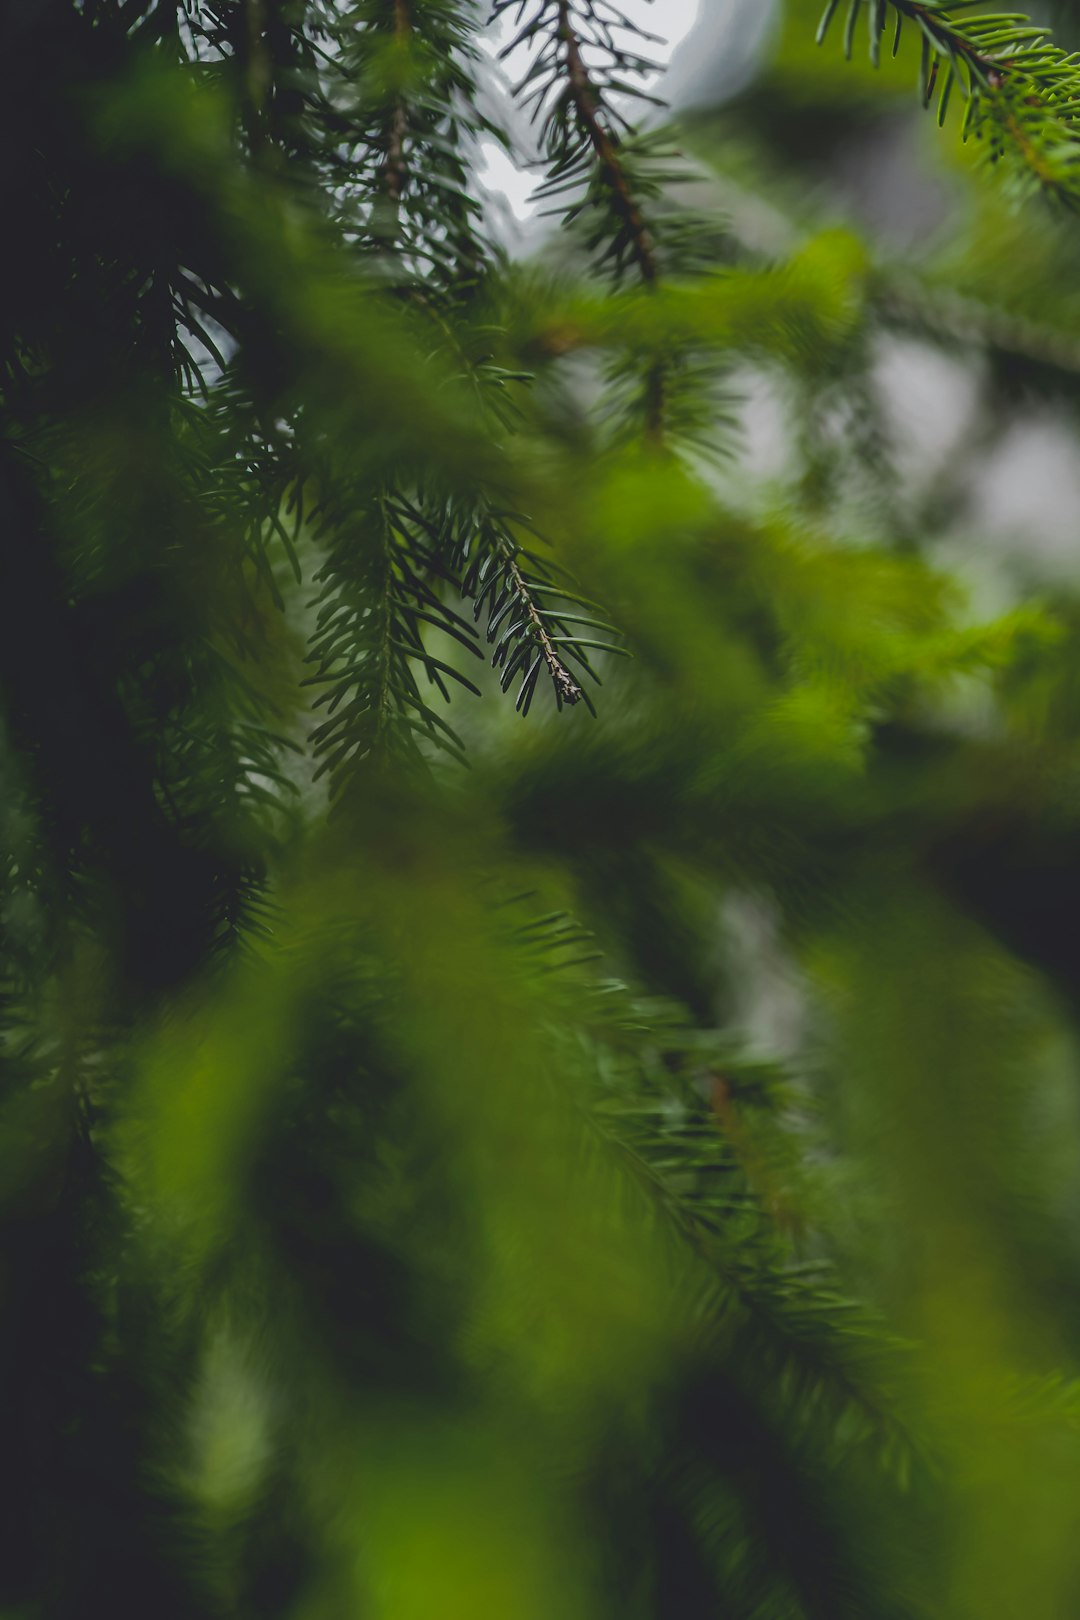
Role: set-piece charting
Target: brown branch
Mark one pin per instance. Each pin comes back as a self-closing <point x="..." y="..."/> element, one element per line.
<point x="587" y="104"/>
<point x="395" y="171"/>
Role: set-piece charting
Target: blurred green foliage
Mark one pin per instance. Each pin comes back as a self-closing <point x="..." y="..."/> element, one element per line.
<point x="539" y="1064"/>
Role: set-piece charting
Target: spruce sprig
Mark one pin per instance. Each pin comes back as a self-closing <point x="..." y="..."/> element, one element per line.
<point x="611" y="176"/>
<point x="1022" y="91"/>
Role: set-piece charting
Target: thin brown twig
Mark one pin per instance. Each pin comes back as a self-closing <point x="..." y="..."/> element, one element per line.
<point x="587" y="104"/>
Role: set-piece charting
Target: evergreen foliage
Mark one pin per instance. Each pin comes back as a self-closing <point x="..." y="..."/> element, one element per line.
<point x="433" y="762"/>
<point x="1021" y="90"/>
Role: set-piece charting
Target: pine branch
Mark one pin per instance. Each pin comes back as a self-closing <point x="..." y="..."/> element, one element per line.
<point x="402" y="95"/>
<point x="379" y="596"/>
<point x="616" y="178"/>
<point x="588" y="106"/>
<point x="814" y="1339"/>
<point x="531" y="608"/>
<point x="1020" y="88"/>
<point x="667" y="1100"/>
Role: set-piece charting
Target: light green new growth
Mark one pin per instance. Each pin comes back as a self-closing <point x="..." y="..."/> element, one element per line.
<point x="1022" y="91"/>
